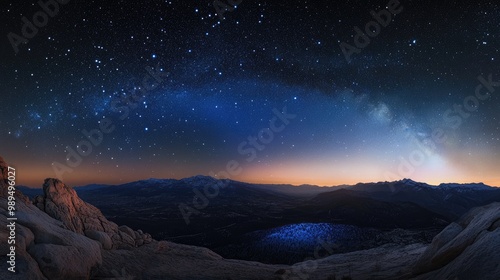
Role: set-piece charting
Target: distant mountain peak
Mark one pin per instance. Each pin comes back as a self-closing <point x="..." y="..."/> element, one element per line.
<point x="410" y="182"/>
<point x="201" y="177"/>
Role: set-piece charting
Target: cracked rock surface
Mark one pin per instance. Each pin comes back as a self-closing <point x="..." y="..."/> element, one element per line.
<point x="62" y="203"/>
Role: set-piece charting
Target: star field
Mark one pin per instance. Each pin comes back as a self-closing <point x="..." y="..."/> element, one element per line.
<point x="183" y="88"/>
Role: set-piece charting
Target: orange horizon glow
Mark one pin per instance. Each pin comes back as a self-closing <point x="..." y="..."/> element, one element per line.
<point x="326" y="184"/>
<point x="258" y="175"/>
<point x="312" y="170"/>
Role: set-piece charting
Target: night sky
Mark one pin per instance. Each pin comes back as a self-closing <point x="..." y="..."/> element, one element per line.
<point x="176" y="91"/>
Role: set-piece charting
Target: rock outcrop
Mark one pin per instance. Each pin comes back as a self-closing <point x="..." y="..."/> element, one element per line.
<point x="44" y="249"/>
<point x="467" y="249"/>
<point x="62" y="203"/>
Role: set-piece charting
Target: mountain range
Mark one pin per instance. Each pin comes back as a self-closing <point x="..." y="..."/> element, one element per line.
<point x="385" y="230"/>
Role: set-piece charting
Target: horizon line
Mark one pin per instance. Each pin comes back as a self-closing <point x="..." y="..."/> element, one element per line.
<point x="260" y="183"/>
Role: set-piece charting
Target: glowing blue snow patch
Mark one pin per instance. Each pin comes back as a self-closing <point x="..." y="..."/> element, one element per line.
<point x="308" y="234"/>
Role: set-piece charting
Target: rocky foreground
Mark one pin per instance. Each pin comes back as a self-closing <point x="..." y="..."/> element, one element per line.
<point x="59" y="236"/>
